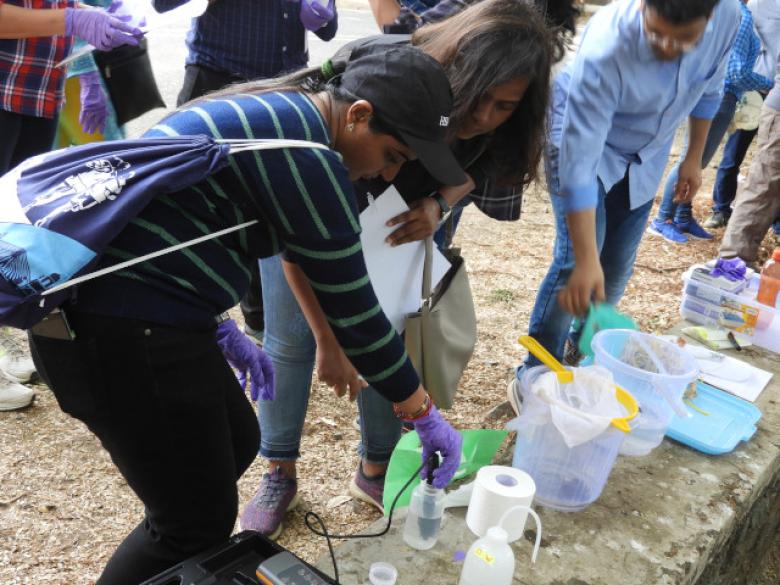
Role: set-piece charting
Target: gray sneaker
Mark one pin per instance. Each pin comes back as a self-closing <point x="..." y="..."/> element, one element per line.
<point x="370" y="490"/>
<point x="718" y="219"/>
<point x="276" y="495"/>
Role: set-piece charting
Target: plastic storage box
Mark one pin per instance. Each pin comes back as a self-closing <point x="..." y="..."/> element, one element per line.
<point x="707" y="305"/>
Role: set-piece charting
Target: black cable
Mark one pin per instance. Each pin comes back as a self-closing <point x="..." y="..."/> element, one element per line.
<point x="328" y="536"/>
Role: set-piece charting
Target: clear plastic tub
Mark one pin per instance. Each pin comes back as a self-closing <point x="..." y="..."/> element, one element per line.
<point x="655" y="372"/>
<point x="566" y="478"/>
<point x="707" y="305"/>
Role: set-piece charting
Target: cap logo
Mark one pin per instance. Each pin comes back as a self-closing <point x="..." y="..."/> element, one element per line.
<point x="444" y="121"/>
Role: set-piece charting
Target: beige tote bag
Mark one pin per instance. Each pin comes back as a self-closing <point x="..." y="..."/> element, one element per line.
<point x="440" y="337"/>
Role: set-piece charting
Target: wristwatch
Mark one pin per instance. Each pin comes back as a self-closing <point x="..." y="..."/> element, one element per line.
<point x="443" y="205"/>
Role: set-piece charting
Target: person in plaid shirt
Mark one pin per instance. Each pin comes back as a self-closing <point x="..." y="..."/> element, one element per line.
<point x="31" y="44"/>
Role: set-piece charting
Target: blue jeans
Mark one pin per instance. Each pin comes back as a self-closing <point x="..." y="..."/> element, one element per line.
<point x="619" y="230"/>
<point x="726" y="180"/>
<point x="290" y="344"/>
<point x="669" y="210"/>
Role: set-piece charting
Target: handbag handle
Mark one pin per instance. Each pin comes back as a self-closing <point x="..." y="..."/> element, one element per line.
<point x="427" y="270"/>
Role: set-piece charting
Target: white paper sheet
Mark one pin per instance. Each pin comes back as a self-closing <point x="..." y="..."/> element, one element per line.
<point x="395" y="272"/>
<point x="748" y="389"/>
<point x="727" y="372"/>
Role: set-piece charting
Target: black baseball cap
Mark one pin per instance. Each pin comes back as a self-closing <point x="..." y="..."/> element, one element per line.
<point x="411" y="94"/>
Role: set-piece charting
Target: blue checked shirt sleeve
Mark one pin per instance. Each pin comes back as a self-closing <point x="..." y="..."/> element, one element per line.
<point x="594" y="93"/>
<point x="740" y="76"/>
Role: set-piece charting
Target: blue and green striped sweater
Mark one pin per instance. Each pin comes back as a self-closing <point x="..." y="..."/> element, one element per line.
<point x="306" y="207"/>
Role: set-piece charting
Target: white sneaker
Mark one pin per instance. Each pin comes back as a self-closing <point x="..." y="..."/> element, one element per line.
<point x="15" y="363"/>
<point x="14" y="396"/>
<point x="513" y="395"/>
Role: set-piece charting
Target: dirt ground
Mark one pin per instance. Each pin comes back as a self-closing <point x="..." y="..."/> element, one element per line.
<point x="64" y="507"/>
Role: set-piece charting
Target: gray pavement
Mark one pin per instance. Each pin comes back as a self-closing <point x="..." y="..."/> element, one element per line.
<point x="168" y="51"/>
<point x="674" y="517"/>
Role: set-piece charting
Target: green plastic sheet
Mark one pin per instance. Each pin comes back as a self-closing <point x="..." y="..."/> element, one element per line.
<point x="479" y="448"/>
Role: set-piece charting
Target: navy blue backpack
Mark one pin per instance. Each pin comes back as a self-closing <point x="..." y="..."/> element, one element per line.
<point x="59" y="211"/>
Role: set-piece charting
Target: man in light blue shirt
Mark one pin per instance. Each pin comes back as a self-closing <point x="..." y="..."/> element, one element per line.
<point x="642" y="67"/>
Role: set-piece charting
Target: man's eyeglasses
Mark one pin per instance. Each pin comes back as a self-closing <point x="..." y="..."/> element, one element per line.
<point x="669" y="44"/>
<point x="663" y="42"/>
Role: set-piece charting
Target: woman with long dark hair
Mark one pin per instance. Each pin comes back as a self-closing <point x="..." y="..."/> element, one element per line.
<point x="498" y="55"/>
<point x="145" y="372"/>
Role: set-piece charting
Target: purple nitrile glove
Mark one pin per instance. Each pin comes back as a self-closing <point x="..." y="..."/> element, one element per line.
<point x="245" y="357"/>
<point x="436" y="434"/>
<point x="99" y="28"/>
<point x="733" y="269"/>
<point x="316" y="13"/>
<point x="94" y="107"/>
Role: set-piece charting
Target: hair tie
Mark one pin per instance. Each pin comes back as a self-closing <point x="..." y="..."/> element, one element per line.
<point x="327" y="69"/>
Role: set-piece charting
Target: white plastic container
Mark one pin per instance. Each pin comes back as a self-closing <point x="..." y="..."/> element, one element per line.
<point x="490" y="560"/>
<point x="567" y="478"/>
<point x="655" y="372"/>
<point x="707" y="305"/>
<point x="382" y="574"/>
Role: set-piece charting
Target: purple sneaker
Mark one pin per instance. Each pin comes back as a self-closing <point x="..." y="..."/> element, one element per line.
<point x="668" y="231"/>
<point x="276" y="495"/>
<point x="368" y="489"/>
<point x="693" y="229"/>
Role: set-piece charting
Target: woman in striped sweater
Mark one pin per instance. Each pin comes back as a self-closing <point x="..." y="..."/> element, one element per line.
<point x="145" y="373"/>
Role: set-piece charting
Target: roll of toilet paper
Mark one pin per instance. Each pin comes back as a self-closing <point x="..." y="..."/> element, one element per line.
<point x="496" y="490"/>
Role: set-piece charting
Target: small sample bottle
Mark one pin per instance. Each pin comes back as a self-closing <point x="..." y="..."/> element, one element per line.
<point x="423" y="520"/>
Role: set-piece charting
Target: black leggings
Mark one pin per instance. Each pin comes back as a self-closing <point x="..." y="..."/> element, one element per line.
<point x="167" y="408"/>
<point x="22" y="137"/>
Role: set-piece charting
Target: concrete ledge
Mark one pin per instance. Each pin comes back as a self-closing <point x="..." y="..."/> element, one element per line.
<point x="675" y="517"/>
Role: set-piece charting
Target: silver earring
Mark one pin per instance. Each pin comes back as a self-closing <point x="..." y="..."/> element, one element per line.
<point x="350" y="127"/>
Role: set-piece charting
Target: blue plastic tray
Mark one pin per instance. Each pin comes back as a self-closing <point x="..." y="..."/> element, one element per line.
<point x="729" y="420"/>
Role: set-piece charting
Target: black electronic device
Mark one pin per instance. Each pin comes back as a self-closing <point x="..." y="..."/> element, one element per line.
<point x="287" y="569"/>
<point x="238" y="562"/>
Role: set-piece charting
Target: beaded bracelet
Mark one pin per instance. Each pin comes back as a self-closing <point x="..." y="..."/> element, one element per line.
<point x="423" y="410"/>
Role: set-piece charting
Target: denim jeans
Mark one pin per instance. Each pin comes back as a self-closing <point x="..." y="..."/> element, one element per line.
<point x="726" y="179"/>
<point x="619" y="230"/>
<point x="290" y="344"/>
<point x="669" y="210"/>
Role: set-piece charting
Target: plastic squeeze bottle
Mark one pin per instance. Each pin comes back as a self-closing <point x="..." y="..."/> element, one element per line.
<point x="770" y="281"/>
<point x="423" y="520"/>
<point x="489" y="560"/>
